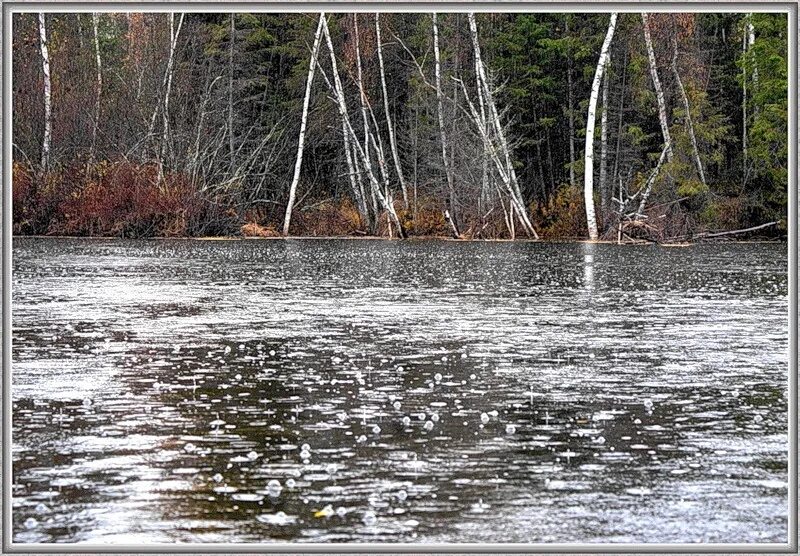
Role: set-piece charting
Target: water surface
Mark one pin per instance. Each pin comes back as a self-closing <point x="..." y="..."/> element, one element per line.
<point x="376" y="391"/>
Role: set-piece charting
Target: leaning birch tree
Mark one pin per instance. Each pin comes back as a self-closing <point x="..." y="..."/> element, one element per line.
<point x="588" y="179"/>
<point x="689" y="125"/>
<point x="48" y="119"/>
<point x="662" y="106"/>
<point x="338" y="92"/>
<point x="499" y="132"/>
<point x="303" y="122"/>
<point x="392" y="139"/>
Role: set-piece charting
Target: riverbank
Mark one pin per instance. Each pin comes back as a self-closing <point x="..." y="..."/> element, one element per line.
<point x="410" y="239"/>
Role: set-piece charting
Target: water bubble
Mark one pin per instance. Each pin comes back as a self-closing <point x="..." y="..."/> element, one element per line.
<point x="87" y="402"/>
<point x="484" y="418"/>
<point x="435" y="417"/>
<point x="428" y="426"/>
<point x="463" y="356"/>
<point x="305" y="448"/>
<point x="217" y="477"/>
<point x="251" y="455"/>
<point x="421" y="416"/>
<point x="361" y="439"/>
<point x="406" y="421"/>
<point x="41" y="508"/>
<point x="369" y="518"/>
<point x="396" y="405"/>
<point x="331" y="468"/>
<point x="31" y="523"/>
<point x="272" y="353"/>
<point x="376" y="429"/>
<point x="758" y="418"/>
<point x="189" y="447"/>
<point x="600" y="440"/>
<point x="648" y="403"/>
<point x="290" y="483"/>
<point x="437" y="377"/>
<point x="227" y="350"/>
<point x="341" y="511"/>
<point x="511" y="429"/>
<point x="402" y="495"/>
<point x="472" y="377"/>
<point x="238" y="377"/>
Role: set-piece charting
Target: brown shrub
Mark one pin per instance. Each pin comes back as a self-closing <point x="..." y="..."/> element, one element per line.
<point x="251" y="229"/>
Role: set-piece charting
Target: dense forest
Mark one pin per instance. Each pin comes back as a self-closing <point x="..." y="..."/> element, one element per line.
<point x="626" y="126"/>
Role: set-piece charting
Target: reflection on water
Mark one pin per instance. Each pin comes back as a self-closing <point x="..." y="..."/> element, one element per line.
<point x="372" y="391"/>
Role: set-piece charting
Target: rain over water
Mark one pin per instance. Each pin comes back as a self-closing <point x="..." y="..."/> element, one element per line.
<point x="418" y="391"/>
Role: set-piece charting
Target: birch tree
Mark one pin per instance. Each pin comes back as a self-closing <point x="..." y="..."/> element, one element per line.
<point x="604" y="142"/>
<point x="688" y="115"/>
<point x="303" y="122"/>
<point x="338" y="91"/>
<point x="494" y="119"/>
<point x="440" y="117"/>
<point x="662" y="106"/>
<point x="48" y="120"/>
<point x="588" y="182"/>
<point x="99" y="93"/>
<point x="392" y="140"/>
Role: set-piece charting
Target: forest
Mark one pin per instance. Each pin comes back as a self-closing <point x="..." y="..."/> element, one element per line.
<point x="622" y="127"/>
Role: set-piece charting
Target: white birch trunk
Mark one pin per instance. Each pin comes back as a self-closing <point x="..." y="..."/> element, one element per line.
<point x="662" y="106"/>
<point x="604" y="143"/>
<point x="48" y="120"/>
<point x="392" y="140"/>
<point x="356" y="181"/>
<point x="168" y="88"/>
<point x="494" y="119"/>
<point x="649" y="184"/>
<point x="744" y="103"/>
<point x="440" y="116"/>
<point x="751" y="39"/>
<point x="588" y="181"/>
<point x="689" y="125"/>
<point x="303" y="122"/>
<point x="342" y="106"/>
<point x="98" y="60"/>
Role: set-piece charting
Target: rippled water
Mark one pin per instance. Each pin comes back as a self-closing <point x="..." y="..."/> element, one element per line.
<point x="374" y="391"/>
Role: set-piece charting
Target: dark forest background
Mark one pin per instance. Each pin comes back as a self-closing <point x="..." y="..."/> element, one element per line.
<point x="188" y="124"/>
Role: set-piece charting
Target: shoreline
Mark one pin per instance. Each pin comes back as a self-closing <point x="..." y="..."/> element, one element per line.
<point x="379" y="238"/>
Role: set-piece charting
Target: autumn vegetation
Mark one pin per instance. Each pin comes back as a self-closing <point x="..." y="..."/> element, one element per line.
<point x="400" y="125"/>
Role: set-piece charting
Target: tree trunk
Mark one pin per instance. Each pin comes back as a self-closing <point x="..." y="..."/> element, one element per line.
<point x="494" y="118"/>
<point x="440" y="114"/>
<point x="99" y="94"/>
<point x="604" y="144"/>
<point x="48" y="120"/>
<point x="588" y="182"/>
<point x="649" y="184"/>
<point x="392" y="141"/>
<point x="342" y="106"/>
<point x="365" y="122"/>
<point x="689" y="125"/>
<point x="174" y="34"/>
<point x="662" y="107"/>
<point x="303" y="121"/>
